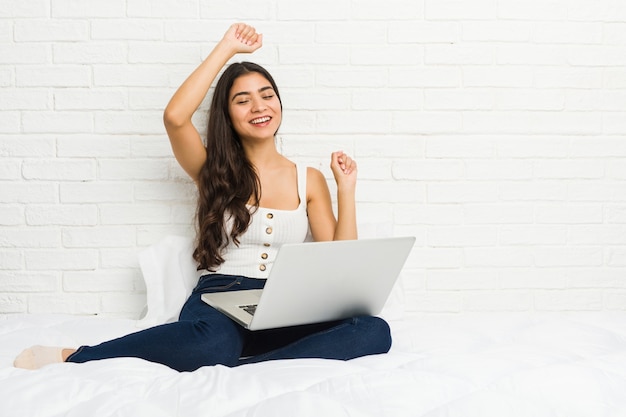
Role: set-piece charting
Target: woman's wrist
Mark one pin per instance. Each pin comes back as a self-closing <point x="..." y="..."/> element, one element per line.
<point x="224" y="51"/>
<point x="346" y="191"/>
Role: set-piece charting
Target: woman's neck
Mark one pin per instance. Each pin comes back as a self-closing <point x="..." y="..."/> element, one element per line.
<point x="262" y="155"/>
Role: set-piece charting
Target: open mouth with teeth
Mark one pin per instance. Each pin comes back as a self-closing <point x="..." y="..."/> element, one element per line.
<point x="261" y="120"/>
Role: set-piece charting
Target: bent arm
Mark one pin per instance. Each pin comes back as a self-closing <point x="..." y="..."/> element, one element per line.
<point x="323" y="224"/>
<point x="184" y="137"/>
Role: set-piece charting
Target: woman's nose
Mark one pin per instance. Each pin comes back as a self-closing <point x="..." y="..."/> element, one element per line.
<point x="258" y="105"/>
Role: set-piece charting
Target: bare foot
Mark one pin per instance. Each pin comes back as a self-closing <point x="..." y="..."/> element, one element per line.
<point x="66" y="353"/>
<point x="38" y="356"/>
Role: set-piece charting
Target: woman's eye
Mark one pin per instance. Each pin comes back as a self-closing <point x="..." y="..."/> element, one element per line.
<point x="242" y="101"/>
<point x="268" y="97"/>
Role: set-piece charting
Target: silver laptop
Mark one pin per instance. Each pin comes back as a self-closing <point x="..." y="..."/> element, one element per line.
<point x="319" y="281"/>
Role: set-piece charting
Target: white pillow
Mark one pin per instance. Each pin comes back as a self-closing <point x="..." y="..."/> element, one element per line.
<point x="170" y="274"/>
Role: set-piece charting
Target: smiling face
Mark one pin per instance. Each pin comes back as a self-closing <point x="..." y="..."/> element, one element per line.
<point x="254" y="107"/>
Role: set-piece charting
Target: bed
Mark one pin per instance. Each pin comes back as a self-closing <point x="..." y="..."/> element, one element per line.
<point x="499" y="364"/>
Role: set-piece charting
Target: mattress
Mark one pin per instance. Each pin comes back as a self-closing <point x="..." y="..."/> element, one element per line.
<point x="530" y="365"/>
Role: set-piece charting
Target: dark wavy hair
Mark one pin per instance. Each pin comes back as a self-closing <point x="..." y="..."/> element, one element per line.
<point x="227" y="181"/>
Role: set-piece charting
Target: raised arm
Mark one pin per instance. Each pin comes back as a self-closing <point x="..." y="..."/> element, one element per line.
<point x="184" y="137"/>
<point x="324" y="226"/>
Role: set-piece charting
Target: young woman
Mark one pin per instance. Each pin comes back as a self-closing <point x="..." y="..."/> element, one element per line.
<point x="251" y="201"/>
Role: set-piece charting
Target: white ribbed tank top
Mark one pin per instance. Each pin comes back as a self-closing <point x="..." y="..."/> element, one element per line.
<point x="268" y="230"/>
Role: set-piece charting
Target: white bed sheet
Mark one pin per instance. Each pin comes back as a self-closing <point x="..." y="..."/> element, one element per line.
<point x="542" y="365"/>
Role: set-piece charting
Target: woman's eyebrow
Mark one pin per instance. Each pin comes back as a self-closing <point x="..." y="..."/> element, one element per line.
<point x="246" y="93"/>
<point x="241" y="93"/>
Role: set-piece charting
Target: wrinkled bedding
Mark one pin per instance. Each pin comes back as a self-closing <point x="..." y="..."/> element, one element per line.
<point x="531" y="365"/>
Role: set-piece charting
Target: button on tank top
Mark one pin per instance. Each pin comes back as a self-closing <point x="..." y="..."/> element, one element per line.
<point x="268" y="230"/>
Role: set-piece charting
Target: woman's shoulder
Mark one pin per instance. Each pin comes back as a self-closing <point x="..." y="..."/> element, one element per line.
<point x="314" y="174"/>
<point x="316" y="183"/>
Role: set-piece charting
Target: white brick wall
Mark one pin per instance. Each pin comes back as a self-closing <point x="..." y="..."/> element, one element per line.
<point x="492" y="130"/>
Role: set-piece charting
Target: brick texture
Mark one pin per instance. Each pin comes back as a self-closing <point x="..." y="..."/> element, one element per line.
<point x="494" y="131"/>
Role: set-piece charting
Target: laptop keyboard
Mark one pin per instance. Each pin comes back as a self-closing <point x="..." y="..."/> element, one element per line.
<point x="249" y="308"/>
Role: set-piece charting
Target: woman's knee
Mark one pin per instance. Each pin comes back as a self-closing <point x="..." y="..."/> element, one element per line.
<point x="376" y="331"/>
<point x="218" y="345"/>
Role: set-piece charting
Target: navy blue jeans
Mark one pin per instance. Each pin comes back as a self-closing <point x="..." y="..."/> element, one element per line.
<point x="203" y="336"/>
